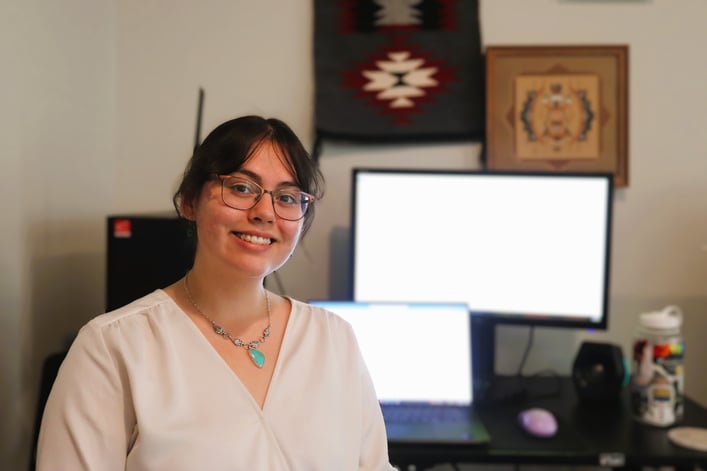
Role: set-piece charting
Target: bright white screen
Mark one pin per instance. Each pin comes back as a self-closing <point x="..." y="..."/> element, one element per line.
<point x="511" y="244"/>
<point x="414" y="352"/>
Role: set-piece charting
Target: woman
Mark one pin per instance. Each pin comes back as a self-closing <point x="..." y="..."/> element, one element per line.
<point x="214" y="372"/>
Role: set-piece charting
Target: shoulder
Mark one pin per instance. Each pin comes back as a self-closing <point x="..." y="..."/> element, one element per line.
<point x="153" y="309"/>
<point x="141" y="335"/>
<point x="320" y="323"/>
<point x="317" y="315"/>
<point x="148" y="304"/>
<point x="320" y="334"/>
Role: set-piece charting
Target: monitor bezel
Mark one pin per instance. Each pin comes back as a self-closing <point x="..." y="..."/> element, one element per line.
<point x="495" y="317"/>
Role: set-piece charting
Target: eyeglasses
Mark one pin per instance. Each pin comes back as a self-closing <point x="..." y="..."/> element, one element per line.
<point x="288" y="202"/>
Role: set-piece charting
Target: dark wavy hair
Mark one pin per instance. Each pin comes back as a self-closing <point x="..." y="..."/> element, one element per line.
<point x="229" y="146"/>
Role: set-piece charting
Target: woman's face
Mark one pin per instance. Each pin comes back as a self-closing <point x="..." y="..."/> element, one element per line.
<point x="254" y="242"/>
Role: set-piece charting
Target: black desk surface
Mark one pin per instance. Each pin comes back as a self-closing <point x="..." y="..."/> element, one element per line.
<point x="588" y="434"/>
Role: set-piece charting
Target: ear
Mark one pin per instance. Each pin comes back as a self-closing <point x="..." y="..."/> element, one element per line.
<point x="186" y="209"/>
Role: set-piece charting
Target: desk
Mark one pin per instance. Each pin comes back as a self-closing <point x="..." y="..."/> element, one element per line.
<point x="603" y="435"/>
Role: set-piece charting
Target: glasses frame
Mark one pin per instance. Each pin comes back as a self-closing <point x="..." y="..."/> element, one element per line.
<point x="263" y="191"/>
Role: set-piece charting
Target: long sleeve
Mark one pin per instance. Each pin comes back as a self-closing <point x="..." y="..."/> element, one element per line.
<point x="85" y="425"/>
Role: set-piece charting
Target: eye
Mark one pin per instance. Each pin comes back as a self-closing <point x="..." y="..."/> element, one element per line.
<point x="289" y="197"/>
<point x="242" y="187"/>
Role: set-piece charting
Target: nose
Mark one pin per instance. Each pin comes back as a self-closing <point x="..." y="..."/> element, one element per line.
<point x="264" y="209"/>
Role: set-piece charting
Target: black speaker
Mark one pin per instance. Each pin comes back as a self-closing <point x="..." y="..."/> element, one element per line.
<point x="144" y="252"/>
<point x="598" y="371"/>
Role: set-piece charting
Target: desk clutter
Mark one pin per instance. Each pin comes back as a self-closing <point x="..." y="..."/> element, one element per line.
<point x="590" y="436"/>
<point x="657" y="381"/>
<point x="655" y="375"/>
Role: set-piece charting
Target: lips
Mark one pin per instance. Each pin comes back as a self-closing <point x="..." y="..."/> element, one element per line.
<point x="253" y="239"/>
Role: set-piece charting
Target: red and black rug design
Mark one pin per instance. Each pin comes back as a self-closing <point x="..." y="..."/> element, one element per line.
<point x="398" y="70"/>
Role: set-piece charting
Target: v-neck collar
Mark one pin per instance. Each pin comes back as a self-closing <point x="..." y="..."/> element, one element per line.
<point x="194" y="331"/>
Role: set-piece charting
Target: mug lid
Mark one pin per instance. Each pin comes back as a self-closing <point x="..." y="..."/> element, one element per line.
<point x="669" y="318"/>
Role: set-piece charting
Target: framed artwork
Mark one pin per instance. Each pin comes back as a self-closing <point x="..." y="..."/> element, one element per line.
<point x="558" y="108"/>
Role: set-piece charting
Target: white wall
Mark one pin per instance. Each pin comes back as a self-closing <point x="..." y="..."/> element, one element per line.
<point x="98" y="112"/>
<point x="58" y="114"/>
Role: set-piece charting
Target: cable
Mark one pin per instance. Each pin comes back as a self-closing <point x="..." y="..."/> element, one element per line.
<point x="524" y="391"/>
<point x="531" y="336"/>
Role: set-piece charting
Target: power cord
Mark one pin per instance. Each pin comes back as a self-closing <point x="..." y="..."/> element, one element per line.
<point x="523" y="391"/>
<point x="528" y="345"/>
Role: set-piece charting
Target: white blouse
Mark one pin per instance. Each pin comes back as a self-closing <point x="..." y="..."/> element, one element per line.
<point x="142" y="389"/>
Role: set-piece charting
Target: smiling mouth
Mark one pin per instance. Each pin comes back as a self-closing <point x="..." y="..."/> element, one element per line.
<point x="254" y="239"/>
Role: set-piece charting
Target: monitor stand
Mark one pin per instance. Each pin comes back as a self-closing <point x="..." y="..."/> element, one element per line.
<point x="483" y="357"/>
<point x="490" y="388"/>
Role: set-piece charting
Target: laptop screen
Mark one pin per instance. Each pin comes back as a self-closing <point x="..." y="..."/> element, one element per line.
<point x="415" y="352"/>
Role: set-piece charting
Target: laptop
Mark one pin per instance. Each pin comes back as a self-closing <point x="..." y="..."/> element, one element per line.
<point x="419" y="357"/>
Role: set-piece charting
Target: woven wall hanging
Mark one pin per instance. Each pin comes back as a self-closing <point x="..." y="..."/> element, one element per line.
<point x="398" y="70"/>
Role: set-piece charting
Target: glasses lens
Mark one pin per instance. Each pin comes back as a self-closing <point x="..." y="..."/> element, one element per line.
<point x="290" y="203"/>
<point x="239" y="193"/>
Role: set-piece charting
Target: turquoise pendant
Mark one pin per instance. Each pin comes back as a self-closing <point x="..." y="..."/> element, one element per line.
<point x="257" y="357"/>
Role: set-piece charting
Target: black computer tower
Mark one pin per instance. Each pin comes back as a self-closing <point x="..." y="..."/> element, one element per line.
<point x="145" y="252"/>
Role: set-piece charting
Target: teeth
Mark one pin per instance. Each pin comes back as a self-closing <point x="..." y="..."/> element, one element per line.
<point x="255" y="239"/>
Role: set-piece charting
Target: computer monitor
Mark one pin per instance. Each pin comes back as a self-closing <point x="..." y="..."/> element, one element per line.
<point x="520" y="248"/>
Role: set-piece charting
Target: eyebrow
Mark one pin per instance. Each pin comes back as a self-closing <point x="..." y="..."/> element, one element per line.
<point x="259" y="180"/>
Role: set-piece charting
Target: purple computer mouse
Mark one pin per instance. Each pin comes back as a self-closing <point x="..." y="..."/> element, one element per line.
<point x="538" y="422"/>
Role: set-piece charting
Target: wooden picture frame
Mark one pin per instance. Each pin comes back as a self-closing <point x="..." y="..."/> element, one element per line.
<point x="558" y="108"/>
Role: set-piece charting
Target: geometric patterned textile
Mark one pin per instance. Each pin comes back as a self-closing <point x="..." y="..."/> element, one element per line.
<point x="398" y="70"/>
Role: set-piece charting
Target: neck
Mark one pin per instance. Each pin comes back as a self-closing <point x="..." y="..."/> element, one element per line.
<point x="226" y="300"/>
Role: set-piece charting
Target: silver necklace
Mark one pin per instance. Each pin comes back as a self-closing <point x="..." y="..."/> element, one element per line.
<point x="256" y="355"/>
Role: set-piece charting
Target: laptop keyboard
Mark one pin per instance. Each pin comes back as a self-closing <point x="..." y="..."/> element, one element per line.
<point x="424" y="414"/>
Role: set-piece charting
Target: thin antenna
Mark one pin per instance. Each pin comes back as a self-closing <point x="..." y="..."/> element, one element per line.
<point x="197" y="139"/>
